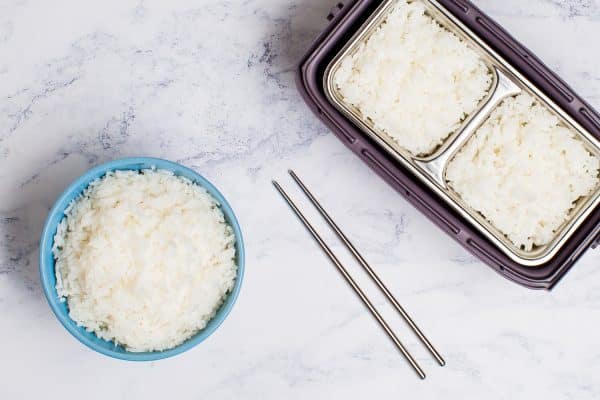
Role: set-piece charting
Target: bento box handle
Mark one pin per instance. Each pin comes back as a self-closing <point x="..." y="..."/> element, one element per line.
<point x="335" y="10"/>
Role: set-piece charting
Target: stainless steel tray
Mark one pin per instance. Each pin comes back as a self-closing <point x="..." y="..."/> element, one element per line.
<point x="507" y="81"/>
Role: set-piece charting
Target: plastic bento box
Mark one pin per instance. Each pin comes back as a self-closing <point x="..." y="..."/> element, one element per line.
<point x="421" y="178"/>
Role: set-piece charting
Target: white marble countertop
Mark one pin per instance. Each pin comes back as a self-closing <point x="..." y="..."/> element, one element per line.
<point x="210" y="84"/>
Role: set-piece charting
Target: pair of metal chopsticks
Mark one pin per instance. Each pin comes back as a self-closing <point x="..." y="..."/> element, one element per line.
<point x="351" y="281"/>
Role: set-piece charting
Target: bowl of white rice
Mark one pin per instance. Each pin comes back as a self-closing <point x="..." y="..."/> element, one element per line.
<point x="141" y="259"/>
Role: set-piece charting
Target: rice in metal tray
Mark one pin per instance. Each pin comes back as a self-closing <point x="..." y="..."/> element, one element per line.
<point x="413" y="79"/>
<point x="524" y="171"/>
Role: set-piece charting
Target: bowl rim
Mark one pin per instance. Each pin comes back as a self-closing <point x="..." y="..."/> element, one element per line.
<point x="47" y="240"/>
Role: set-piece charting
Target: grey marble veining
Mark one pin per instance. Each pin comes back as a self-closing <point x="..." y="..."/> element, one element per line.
<point x="211" y="84"/>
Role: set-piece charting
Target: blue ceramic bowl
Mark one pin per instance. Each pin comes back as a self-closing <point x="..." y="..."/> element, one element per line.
<point x="48" y="277"/>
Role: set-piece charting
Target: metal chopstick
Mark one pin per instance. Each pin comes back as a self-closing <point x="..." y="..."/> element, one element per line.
<point x="413" y="326"/>
<point x="351" y="282"/>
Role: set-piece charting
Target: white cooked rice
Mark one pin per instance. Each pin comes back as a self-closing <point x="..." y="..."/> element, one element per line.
<point x="524" y="170"/>
<point x="413" y="79"/>
<point x="144" y="259"/>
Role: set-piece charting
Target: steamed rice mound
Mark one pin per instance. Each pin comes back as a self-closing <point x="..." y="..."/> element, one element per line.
<point x="523" y="170"/>
<point x="413" y="79"/>
<point x="144" y="259"/>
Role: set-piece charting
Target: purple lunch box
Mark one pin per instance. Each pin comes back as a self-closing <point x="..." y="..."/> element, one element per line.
<point x="344" y="20"/>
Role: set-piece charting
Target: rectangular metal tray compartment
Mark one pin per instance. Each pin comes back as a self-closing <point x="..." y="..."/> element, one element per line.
<point x="345" y="20"/>
<point x="431" y="169"/>
<point x="363" y="34"/>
